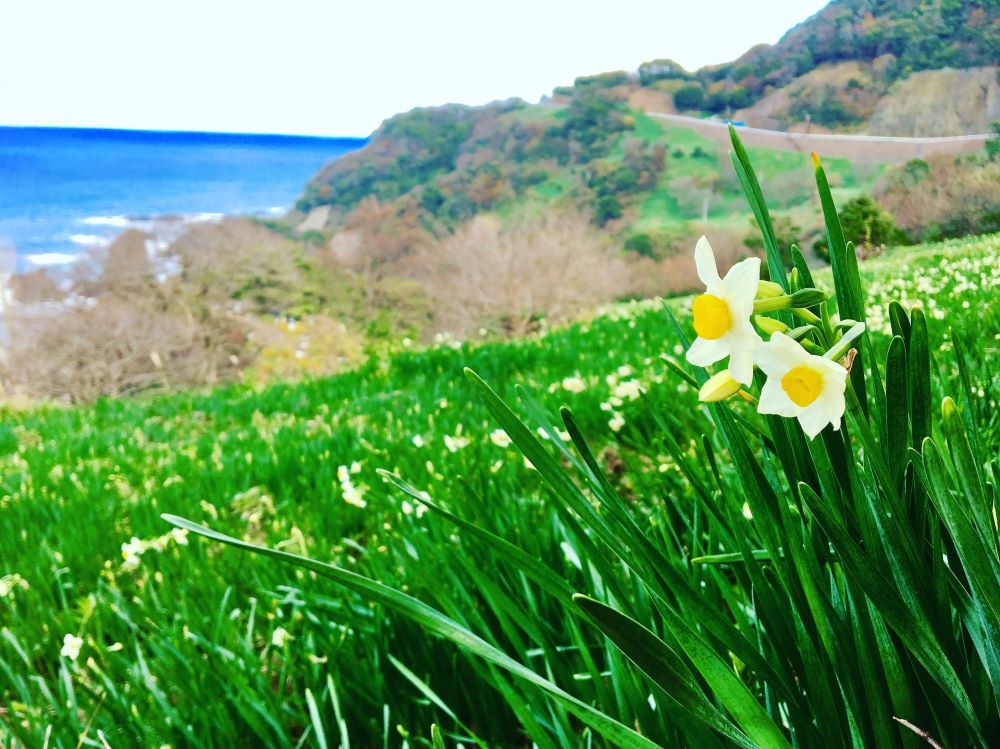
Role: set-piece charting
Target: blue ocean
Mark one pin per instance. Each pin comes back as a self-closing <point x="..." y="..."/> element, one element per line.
<point x="63" y="191"/>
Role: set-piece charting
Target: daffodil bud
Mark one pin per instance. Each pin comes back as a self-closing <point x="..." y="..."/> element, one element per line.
<point x="808" y="298"/>
<point x="769" y="325"/>
<point x="948" y="407"/>
<point x="846" y="342"/>
<point x="794" y="280"/>
<point x="768" y="290"/>
<point x="799" y="300"/>
<point x="718" y="387"/>
<point x="772" y="304"/>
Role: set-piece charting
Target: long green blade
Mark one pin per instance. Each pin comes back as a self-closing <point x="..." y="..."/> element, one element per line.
<point x="437" y="623"/>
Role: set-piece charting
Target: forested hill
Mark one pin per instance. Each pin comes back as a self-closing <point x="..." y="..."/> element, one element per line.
<point x="904" y="36"/>
<point x="900" y="68"/>
<point x="450" y="163"/>
<point x="887" y="67"/>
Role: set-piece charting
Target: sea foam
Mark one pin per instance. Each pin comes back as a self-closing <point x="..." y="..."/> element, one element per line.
<point x="86" y="240"/>
<point x="118" y="222"/>
<point x="44" y="259"/>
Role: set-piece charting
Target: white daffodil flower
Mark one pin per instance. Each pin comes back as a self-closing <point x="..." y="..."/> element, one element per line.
<point x="800" y="384"/>
<point x="722" y="314"/>
<point x="71" y="647"/>
<point x="279" y="637"/>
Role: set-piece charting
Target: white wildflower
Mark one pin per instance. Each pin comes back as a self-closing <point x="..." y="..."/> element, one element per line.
<point x="722" y="314"/>
<point x="71" y="647"/>
<point x="279" y="637"/>
<point x="500" y="438"/>
<point x="800" y="384"/>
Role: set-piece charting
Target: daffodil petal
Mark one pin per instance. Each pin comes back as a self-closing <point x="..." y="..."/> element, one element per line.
<point x="704" y="352"/>
<point x="741" y="366"/>
<point x="773" y="400"/>
<point x="834" y="375"/>
<point x="780" y="354"/>
<point x="742" y="347"/>
<point x="814" y="417"/>
<point x="741" y="282"/>
<point x="790" y="345"/>
<point x="834" y="405"/>
<point x="704" y="261"/>
<point x="835" y="414"/>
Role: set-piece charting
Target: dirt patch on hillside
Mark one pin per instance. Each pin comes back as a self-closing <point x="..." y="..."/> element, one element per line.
<point x="912" y="106"/>
<point x="651" y="100"/>
<point x="852" y="83"/>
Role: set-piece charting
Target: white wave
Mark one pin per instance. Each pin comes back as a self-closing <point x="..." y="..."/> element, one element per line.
<point x="118" y="222"/>
<point x="44" y="259"/>
<point x="202" y="217"/>
<point x="87" y="240"/>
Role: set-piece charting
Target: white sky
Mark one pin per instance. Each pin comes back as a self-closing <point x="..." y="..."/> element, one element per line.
<point x="338" y="68"/>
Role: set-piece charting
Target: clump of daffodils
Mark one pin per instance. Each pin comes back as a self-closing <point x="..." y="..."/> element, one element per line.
<point x="352" y="494"/>
<point x="799" y="380"/>
<point x="133" y="549"/>
<point x="12" y="582"/>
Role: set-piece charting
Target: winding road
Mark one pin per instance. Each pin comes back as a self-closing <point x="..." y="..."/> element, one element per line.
<point x="857" y="148"/>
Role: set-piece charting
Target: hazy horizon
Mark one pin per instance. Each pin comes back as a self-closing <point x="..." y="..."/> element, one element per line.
<point x="336" y="70"/>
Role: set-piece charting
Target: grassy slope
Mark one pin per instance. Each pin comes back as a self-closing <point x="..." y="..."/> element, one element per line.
<point x="198" y="663"/>
<point x="695" y="166"/>
<point x="676" y="202"/>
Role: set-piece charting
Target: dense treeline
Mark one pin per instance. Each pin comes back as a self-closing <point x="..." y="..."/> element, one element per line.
<point x="903" y="37"/>
<point x="454" y="162"/>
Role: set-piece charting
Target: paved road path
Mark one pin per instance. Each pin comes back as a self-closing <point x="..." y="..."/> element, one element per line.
<point x="858" y="148"/>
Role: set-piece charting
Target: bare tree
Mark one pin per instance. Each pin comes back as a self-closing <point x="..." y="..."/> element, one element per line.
<point x="35" y="287"/>
<point x="943" y="195"/>
<point x="115" y="345"/>
<point x="240" y="264"/>
<point x="505" y="278"/>
<point x="676" y="272"/>
<point x="126" y="331"/>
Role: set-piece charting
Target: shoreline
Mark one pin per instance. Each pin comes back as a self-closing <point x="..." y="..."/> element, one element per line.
<point x="99" y="232"/>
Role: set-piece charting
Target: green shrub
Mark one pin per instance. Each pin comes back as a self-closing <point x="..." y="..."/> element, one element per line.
<point x="640" y="244"/>
<point x="786" y="232"/>
<point x="689" y="97"/>
<point x="606" y="208"/>
<point x="867" y="225"/>
<point x="717" y="101"/>
<point x="993" y="143"/>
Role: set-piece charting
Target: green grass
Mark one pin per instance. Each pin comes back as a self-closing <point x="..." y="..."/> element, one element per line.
<point x="181" y="650"/>
<point x="557" y="185"/>
<point x="659" y="210"/>
<point x="675" y="204"/>
<point x="647" y="128"/>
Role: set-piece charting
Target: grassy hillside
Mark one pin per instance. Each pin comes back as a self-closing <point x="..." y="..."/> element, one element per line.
<point x="633" y="174"/>
<point x="186" y="643"/>
<point x="895" y="67"/>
